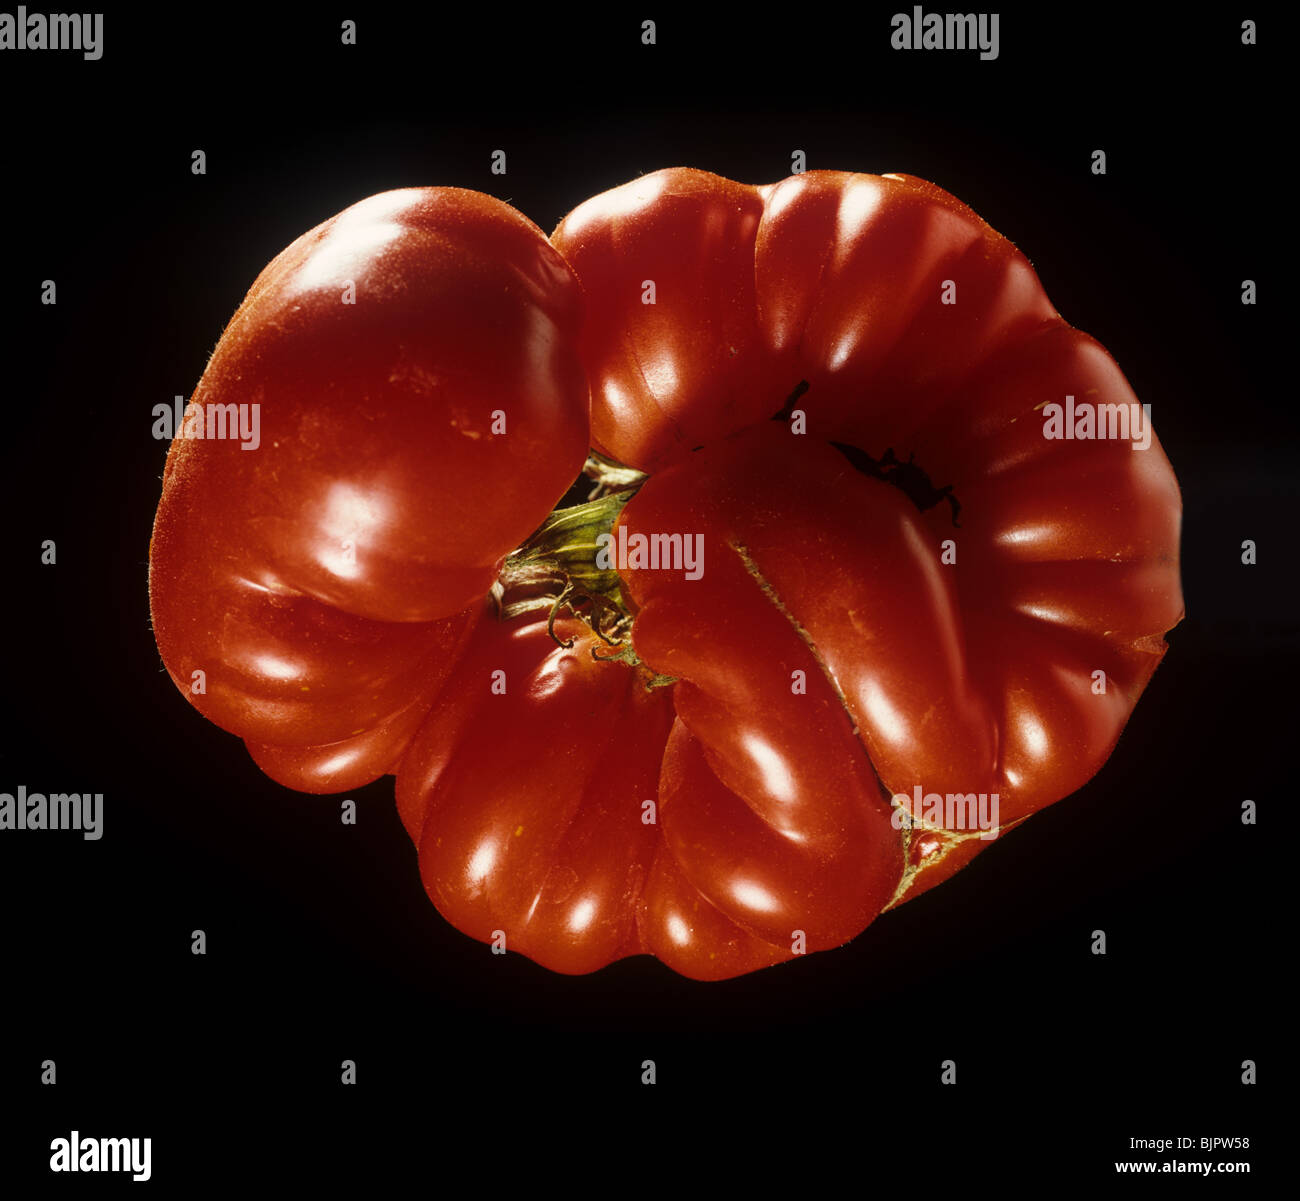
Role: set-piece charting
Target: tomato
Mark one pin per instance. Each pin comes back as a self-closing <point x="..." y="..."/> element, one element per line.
<point x="531" y="793"/>
<point x="422" y="407"/>
<point x="999" y="652"/>
<point x="879" y="579"/>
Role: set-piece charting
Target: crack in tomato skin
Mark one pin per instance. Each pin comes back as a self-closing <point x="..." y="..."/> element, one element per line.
<point x="716" y="491"/>
<point x="942" y="862"/>
<point x="944" y="841"/>
<point x="768" y="591"/>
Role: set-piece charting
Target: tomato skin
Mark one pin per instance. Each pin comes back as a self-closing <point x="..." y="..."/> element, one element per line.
<point x="349" y="762"/>
<point x="652" y="366"/>
<point x="766" y="882"/>
<point x="682" y="929"/>
<point x="850" y="274"/>
<point x="377" y="416"/>
<point x="325" y="580"/>
<point x="529" y="806"/>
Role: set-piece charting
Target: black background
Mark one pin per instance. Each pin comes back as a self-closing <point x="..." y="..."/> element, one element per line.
<point x="321" y="943"/>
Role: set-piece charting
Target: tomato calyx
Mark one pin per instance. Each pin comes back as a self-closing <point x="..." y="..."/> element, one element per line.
<point x="560" y="565"/>
<point x="566" y="565"/>
<point x="610" y="476"/>
<point x="625" y="653"/>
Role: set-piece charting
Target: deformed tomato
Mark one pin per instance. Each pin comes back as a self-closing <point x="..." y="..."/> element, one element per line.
<point x="422" y="408"/>
<point x="882" y="557"/>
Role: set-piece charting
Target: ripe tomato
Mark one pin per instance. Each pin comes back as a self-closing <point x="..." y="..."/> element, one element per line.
<point x="531" y="793"/>
<point x="906" y="591"/>
<point x="422" y="407"/>
<point x="877" y="316"/>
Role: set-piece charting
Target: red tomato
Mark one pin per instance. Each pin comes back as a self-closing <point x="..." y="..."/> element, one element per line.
<point x="422" y="408"/>
<point x="846" y="653"/>
<point x="900" y="324"/>
<point x="531" y="793"/>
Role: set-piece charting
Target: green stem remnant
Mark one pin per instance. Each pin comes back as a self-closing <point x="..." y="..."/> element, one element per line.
<point x="559" y="567"/>
<point x="609" y="476"/>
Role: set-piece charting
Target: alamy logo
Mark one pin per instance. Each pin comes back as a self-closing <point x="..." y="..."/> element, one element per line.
<point x="946" y="31"/>
<point x="78" y="1154"/>
<point x="1088" y="422"/>
<point x="57" y="31"/>
<point x="964" y="811"/>
<point x="229" y="421"/>
<point x="651" y="552"/>
<point x="82" y="811"/>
